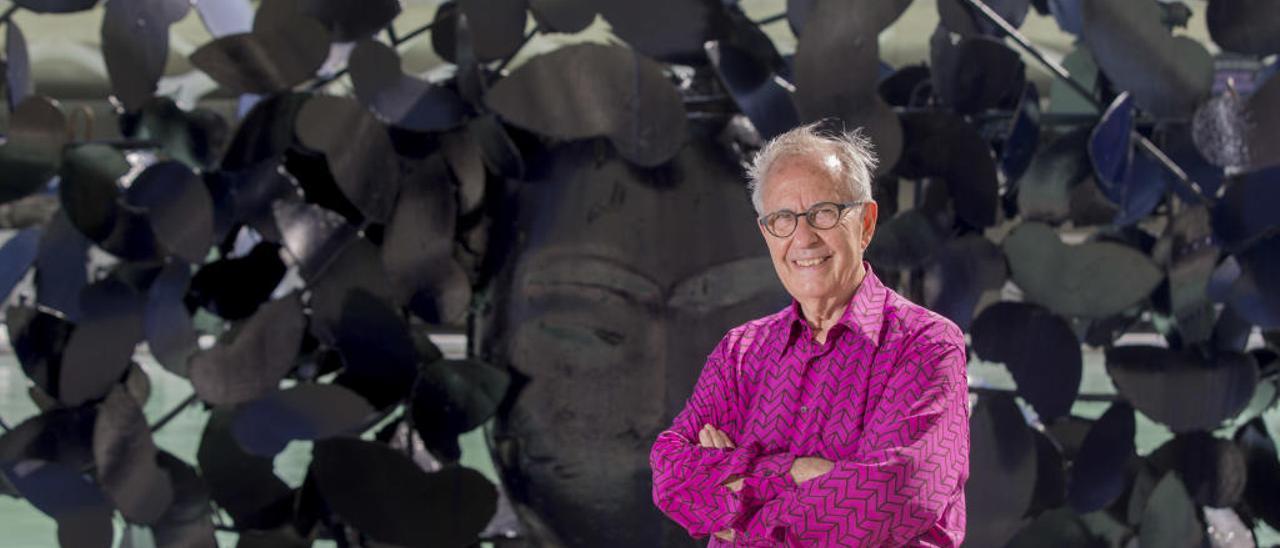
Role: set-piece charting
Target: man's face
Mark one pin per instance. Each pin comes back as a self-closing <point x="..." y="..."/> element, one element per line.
<point x="797" y="183"/>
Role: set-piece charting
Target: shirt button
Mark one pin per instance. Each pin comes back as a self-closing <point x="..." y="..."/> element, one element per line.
<point x="804" y="409"/>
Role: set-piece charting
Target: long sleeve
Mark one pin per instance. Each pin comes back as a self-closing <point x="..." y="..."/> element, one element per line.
<point x="910" y="468"/>
<point x="688" y="480"/>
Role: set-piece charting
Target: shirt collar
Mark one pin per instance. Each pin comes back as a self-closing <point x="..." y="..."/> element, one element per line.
<point x="864" y="315"/>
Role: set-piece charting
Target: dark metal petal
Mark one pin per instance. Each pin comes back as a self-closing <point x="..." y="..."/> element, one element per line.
<point x="456" y="396"/>
<point x="250" y="365"/>
<point x="964" y="269"/>
<point x="351" y="21"/>
<point x="306" y="412"/>
<point x="1252" y="293"/>
<point x="125" y="456"/>
<point x="1098" y="475"/>
<point x="33" y="150"/>
<point x="417" y="247"/>
<point x="381" y="363"/>
<point x="1263" y="471"/>
<point x="1159" y="382"/>
<point x="99" y="350"/>
<point x="399" y="99"/>
<point x="566" y="16"/>
<point x="1038" y="348"/>
<point x="1168" y="76"/>
<point x="135" y="46"/>
<point x="1170" y="518"/>
<point x="56" y="6"/>
<point x="446" y="508"/>
<point x="975" y="73"/>
<point x="1050" y="272"/>
<point x="1212" y="469"/>
<point x="244" y="485"/>
<point x="17" y="67"/>
<point x="1109" y="145"/>
<point x="497" y="27"/>
<point x="1245" y="26"/>
<point x="762" y="95"/>
<point x="266" y="61"/>
<point x="1003" y="453"/>
<point x="942" y="144"/>
<point x="17" y="256"/>
<point x="358" y="148"/>
<point x="178" y="206"/>
<point x="590" y="90"/>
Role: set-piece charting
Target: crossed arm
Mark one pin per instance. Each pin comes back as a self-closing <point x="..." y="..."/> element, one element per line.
<point x="911" y="464"/>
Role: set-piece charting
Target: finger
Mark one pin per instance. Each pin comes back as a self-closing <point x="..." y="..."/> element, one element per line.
<point x="723" y="438"/>
<point x="704" y="437"/>
<point x="727" y="440"/>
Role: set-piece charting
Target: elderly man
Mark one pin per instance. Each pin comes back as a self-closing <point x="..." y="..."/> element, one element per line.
<point x="841" y="420"/>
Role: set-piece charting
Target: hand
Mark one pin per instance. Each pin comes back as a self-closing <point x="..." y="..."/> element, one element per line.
<point x="807" y="468"/>
<point x="725" y="535"/>
<point x="714" y="438"/>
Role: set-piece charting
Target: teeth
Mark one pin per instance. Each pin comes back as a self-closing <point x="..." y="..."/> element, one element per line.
<point x="811" y="262"/>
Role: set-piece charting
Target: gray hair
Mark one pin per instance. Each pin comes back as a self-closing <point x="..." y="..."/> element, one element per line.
<point x="854" y="159"/>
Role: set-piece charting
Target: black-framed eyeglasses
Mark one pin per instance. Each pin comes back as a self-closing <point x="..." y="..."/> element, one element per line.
<point x="822" y="216"/>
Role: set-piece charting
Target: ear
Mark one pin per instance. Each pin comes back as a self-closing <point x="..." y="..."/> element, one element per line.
<point x="870" y="213"/>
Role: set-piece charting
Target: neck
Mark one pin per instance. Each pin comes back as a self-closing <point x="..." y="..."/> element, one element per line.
<point x="823" y="312"/>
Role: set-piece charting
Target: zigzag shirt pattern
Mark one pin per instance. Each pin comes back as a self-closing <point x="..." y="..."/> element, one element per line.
<point x="885" y="398"/>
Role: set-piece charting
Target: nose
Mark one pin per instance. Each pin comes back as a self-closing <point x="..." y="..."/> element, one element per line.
<point x="805" y="235"/>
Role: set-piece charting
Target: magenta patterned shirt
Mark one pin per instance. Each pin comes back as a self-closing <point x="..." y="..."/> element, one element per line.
<point x="885" y="398"/>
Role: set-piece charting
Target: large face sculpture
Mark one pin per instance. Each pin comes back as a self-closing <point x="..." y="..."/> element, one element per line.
<point x="623" y="280"/>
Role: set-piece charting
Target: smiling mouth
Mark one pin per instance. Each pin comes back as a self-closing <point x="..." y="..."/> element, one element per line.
<point x="810" y="263"/>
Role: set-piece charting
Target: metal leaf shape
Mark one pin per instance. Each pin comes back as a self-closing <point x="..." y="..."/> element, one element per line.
<point x="964" y="268"/>
<point x="251" y="363"/>
<point x="941" y="144"/>
<point x="98" y="352"/>
<point x="170" y="333"/>
<point x="135" y="46"/>
<point x="1249" y="292"/>
<point x="351" y="21"/>
<point x="1170" y="518"/>
<point x="178" y="206"/>
<point x="1159" y="382"/>
<point x="305" y="412"/>
<point x="359" y="151"/>
<point x="840" y="30"/>
<point x="1092" y="280"/>
<point x="242" y="484"/>
<point x="373" y="339"/>
<point x="417" y="247"/>
<point x="1098" y="473"/>
<point x="31" y="154"/>
<point x="399" y="99"/>
<point x="1212" y="469"/>
<point x="1168" y="76"/>
<point x="1245" y="26"/>
<point x="566" y="16"/>
<point x="17" y="67"/>
<point x="90" y="195"/>
<point x="17" y="256"/>
<point x="1038" y="348"/>
<point x="233" y="288"/>
<point x="590" y="90"/>
<point x="1003" y="453"/>
<point x="1244" y="211"/>
<point x="266" y="60"/>
<point x="1263" y="471"/>
<point x="445" y="508"/>
<point x="762" y="95"/>
<point x="456" y="396"/>
<point x="975" y="73"/>
<point x="125" y="456"/>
